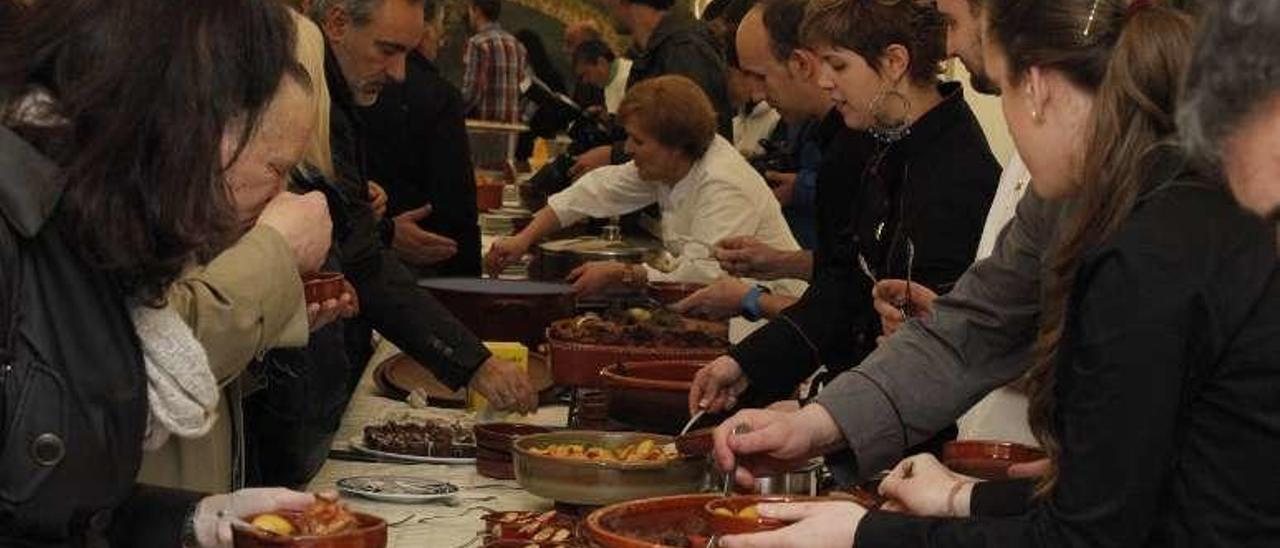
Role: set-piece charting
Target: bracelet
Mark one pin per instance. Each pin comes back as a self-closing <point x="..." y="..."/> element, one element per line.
<point x="951" y="498"/>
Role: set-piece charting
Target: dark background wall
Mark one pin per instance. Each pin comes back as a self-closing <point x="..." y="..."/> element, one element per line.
<point x="547" y="18"/>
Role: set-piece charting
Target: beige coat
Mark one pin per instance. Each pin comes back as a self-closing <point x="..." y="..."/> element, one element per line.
<point x="246" y="301"/>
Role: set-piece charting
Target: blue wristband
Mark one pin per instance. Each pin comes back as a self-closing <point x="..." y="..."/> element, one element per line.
<point x="751" y="303"/>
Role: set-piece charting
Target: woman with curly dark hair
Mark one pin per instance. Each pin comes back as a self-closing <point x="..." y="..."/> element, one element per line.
<point x="126" y="131"/>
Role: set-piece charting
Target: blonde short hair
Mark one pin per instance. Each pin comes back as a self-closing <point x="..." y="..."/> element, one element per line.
<point x="674" y="110"/>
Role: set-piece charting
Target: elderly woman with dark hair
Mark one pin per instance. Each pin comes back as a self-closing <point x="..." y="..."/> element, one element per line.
<point x="124" y="163"/>
<point x="706" y="190"/>
<point x="1230" y="112"/>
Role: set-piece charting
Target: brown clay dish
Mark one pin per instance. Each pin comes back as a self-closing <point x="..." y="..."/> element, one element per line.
<point x="370" y="532"/>
<point x="735" y="525"/>
<point x="651" y="396"/>
<point x="989" y="460"/>
<point x="498" y="436"/>
<point x="488" y="194"/>
<point x="504" y="310"/>
<point x="676" y="522"/>
<point x="322" y="286"/>
<point x="575" y="363"/>
<point x="496" y="469"/>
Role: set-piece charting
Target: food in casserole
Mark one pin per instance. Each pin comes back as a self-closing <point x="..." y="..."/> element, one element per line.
<point x="426" y="438"/>
<point x="657" y="328"/>
<point x="667" y="529"/>
<point x="323" y="518"/>
<point x="540" y="529"/>
<point x="749" y="512"/>
<point x="644" y="451"/>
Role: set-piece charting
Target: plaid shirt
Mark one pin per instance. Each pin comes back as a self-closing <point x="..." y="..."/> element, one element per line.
<point x="495" y="66"/>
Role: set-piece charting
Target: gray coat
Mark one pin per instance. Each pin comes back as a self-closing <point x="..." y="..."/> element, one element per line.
<point x="978" y="338"/>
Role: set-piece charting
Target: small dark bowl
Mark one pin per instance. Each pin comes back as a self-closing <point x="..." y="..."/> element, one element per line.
<point x="734" y="525"/>
<point x="498" y="436"/>
<point x="989" y="460"/>
<point x="322" y="286"/>
<point x="488" y="195"/>
<point x="484" y="453"/>
<point x="503" y="470"/>
<point x="371" y="532"/>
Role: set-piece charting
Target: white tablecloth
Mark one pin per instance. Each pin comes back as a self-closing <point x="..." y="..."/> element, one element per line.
<point x="450" y="523"/>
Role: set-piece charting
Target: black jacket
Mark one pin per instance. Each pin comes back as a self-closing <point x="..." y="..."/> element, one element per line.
<point x="685" y="46"/>
<point x="390" y="300"/>
<point x="418" y="152"/>
<point x="1168" y="394"/>
<point x="72" y="385"/>
<point x="931" y="189"/>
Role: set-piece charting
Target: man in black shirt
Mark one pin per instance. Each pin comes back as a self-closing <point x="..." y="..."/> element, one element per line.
<point x="769" y="51"/>
<point x="419" y="152"/>
<point x="365" y="49"/>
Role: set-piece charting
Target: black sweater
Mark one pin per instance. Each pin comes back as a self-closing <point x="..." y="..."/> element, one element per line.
<point x="932" y="188"/>
<point x="1168" y="391"/>
<point x="390" y="299"/>
<point x="416" y="135"/>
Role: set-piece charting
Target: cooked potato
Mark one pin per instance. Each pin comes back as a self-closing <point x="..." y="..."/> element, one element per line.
<point x="273" y="523"/>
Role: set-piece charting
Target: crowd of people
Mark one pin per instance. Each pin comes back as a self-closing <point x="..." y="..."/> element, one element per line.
<point x="1106" y="295"/>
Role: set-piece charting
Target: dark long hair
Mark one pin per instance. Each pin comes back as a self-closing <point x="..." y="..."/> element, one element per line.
<point x="146" y="89"/>
<point x="1132" y="63"/>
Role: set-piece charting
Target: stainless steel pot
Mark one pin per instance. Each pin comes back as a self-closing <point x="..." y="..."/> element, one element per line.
<point x="803" y="481"/>
<point x="553" y="260"/>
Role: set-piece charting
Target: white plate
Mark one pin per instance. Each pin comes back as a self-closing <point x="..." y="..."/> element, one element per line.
<point x="357" y="444"/>
<point x="397" y="488"/>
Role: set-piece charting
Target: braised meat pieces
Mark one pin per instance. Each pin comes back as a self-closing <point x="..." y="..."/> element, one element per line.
<point x="658" y="328"/>
<point x="427" y="439"/>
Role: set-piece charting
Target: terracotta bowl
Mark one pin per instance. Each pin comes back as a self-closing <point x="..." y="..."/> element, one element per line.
<point x="496" y="469"/>
<point x="734" y="525"/>
<point x="651" y="396"/>
<point x="488" y="195"/>
<point x="322" y="286"/>
<point x="989" y="460"/>
<point x="371" y="533"/>
<point x="637" y="523"/>
<point x="579" y="364"/>
<point x="498" y="436"/>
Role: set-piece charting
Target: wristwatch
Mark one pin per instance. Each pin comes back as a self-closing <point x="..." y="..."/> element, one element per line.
<point x="751" y="302"/>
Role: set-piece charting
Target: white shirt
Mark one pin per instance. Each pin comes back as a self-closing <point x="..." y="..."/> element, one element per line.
<point x="617" y="88"/>
<point x="1013" y="183"/>
<point x="721" y="196"/>
<point x="1002" y="414"/>
<point x="750" y="127"/>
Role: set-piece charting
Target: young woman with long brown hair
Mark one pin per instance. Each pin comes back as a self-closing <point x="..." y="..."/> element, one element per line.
<point x="1156" y="389"/>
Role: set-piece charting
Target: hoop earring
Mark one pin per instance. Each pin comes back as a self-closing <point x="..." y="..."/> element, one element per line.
<point x="889" y="113"/>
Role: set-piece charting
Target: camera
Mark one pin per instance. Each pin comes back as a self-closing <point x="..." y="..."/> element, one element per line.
<point x="587" y="131"/>
<point x="779" y="156"/>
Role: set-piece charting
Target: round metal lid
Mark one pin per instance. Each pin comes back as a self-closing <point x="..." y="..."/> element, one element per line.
<point x="596" y="247"/>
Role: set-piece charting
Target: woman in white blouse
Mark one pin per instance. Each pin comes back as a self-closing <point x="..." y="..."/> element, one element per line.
<point x="704" y="187"/>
